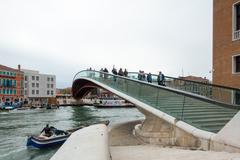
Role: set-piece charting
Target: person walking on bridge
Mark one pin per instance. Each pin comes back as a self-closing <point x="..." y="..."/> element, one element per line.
<point x="149" y="78"/>
<point x="120" y="72"/>
<point x="161" y="79"/>
<point x="114" y="71"/>
<point x="106" y="71"/>
<point x="125" y="73"/>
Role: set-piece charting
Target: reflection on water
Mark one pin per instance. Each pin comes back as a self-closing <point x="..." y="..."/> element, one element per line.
<point x="15" y="126"/>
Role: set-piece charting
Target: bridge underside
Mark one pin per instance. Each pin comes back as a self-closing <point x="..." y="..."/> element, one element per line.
<point x="82" y="87"/>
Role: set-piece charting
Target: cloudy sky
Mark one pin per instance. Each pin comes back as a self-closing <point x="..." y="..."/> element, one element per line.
<point x="62" y="37"/>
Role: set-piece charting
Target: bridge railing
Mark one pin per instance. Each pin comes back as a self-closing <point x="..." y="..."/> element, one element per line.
<point x="216" y="92"/>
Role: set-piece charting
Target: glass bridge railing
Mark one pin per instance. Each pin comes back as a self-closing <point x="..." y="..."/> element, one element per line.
<point x="199" y="111"/>
<point x="223" y="94"/>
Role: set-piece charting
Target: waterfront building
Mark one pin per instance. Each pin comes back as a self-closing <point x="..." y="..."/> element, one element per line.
<point x="226" y="43"/>
<point x="39" y="89"/>
<point x="195" y="78"/>
<point x="11" y="84"/>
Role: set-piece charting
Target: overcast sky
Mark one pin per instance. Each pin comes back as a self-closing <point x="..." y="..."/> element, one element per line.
<point x="62" y="37"/>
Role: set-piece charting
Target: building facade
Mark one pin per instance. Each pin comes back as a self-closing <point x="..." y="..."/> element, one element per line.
<point x="39" y="88"/>
<point x="11" y="84"/>
<point x="226" y="43"/>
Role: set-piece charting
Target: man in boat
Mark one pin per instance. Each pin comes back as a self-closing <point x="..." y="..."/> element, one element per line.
<point x="47" y="131"/>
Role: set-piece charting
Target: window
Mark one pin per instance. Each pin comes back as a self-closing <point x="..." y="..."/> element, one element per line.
<point x="33" y="78"/>
<point x="10" y="91"/>
<point x="37" y="91"/>
<point x="47" y="92"/>
<point x="33" y="91"/>
<point x="10" y="83"/>
<point x="51" y="85"/>
<point x="4" y="83"/>
<point x="4" y="91"/>
<point x="15" y="83"/>
<point x="0" y="91"/>
<point x="25" y="85"/>
<point x="26" y="78"/>
<point x="236" y="64"/>
<point x="51" y="92"/>
<point x="48" y="85"/>
<point x="48" y="79"/>
<point x="15" y="91"/>
<point x="25" y="92"/>
<point x="236" y="21"/>
<point x="237" y="11"/>
<point x="37" y="85"/>
<point x="37" y="78"/>
<point x="52" y="79"/>
<point x="33" y="84"/>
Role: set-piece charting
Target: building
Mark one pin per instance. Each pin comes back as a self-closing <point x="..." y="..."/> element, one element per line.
<point x="39" y="89"/>
<point x="65" y="99"/>
<point x="226" y="43"/>
<point x="197" y="79"/>
<point x="11" y="84"/>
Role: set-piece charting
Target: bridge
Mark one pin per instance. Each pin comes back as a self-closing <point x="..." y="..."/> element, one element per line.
<point x="184" y="113"/>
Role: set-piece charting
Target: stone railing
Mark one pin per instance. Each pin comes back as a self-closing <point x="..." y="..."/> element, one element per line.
<point x="236" y="35"/>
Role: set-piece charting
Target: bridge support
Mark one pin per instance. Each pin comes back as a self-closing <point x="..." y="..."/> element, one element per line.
<point x="158" y="131"/>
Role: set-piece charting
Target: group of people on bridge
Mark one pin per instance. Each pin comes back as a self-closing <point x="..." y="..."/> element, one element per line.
<point x="141" y="75"/>
<point x="148" y="77"/>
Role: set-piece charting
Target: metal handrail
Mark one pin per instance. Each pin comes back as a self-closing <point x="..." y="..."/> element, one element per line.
<point x="207" y="84"/>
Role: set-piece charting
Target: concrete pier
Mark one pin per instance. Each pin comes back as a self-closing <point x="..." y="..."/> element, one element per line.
<point x="125" y="146"/>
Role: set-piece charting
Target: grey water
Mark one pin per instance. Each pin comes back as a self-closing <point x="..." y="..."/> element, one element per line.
<point x="16" y="126"/>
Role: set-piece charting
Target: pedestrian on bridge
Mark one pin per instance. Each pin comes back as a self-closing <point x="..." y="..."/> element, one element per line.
<point x="106" y="71"/>
<point x="161" y="79"/>
<point x="149" y="78"/>
<point x="114" y="71"/>
<point x="125" y="73"/>
<point x="120" y="72"/>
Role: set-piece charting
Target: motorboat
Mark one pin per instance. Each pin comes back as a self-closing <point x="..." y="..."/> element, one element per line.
<point x="110" y="103"/>
<point x="57" y="138"/>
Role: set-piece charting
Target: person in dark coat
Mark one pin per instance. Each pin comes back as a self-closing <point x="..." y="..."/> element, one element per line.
<point x="125" y="73"/>
<point x="120" y="72"/>
<point x="106" y="71"/>
<point x="149" y="78"/>
<point x="140" y="75"/>
<point x="114" y="71"/>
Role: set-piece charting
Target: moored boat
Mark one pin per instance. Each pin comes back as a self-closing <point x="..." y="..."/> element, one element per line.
<point x="111" y="103"/>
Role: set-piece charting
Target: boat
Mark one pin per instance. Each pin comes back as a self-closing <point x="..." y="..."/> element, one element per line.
<point x="111" y="103"/>
<point x="42" y="141"/>
<point x="7" y="106"/>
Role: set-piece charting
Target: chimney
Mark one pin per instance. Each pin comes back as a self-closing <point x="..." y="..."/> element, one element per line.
<point x="19" y="67"/>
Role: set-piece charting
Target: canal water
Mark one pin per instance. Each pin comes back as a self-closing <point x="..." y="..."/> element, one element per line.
<point x="15" y="126"/>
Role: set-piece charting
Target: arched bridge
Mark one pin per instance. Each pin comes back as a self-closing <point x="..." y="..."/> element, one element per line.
<point x="202" y="113"/>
